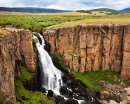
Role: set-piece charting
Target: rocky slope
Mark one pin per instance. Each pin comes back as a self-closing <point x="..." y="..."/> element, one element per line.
<point x="93" y="47"/>
<point x="15" y="48"/>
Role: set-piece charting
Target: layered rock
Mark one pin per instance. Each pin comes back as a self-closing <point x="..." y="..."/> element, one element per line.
<point x="15" y="47"/>
<point x="88" y="48"/>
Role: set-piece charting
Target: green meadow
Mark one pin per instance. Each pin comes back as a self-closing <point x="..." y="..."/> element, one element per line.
<point x="39" y="22"/>
<point x="36" y="22"/>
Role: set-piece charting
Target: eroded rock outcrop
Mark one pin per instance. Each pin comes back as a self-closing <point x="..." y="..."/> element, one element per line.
<point x="15" y="47"/>
<point x="93" y="47"/>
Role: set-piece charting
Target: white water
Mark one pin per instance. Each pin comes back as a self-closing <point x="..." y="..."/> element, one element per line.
<point x="51" y="76"/>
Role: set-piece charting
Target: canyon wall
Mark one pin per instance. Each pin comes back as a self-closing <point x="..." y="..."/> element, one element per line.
<point x="89" y="48"/>
<point x="15" y="48"/>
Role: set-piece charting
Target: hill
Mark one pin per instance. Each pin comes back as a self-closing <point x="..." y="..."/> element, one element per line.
<point x="31" y="10"/>
<point x="105" y="10"/>
<point x="125" y="10"/>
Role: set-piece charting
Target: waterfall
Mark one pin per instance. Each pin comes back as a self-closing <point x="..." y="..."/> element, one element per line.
<point x="51" y="76"/>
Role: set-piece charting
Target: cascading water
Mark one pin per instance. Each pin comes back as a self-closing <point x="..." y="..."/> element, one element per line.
<point x="51" y="76"/>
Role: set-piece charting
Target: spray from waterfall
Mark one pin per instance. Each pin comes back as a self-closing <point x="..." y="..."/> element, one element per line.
<point x="51" y="76"/>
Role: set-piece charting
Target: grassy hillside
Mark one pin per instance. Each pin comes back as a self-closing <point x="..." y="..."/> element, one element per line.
<point x="93" y="78"/>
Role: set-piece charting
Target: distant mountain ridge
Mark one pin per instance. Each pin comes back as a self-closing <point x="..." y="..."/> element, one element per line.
<point x="125" y="10"/>
<point x="107" y="10"/>
<point x="47" y="10"/>
<point x="104" y="9"/>
<point x="31" y="10"/>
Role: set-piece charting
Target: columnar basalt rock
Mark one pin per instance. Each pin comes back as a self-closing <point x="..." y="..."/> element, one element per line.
<point x="15" y="45"/>
<point x="88" y="48"/>
<point x="125" y="72"/>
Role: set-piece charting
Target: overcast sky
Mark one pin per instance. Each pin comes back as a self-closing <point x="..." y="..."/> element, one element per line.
<point x="67" y="4"/>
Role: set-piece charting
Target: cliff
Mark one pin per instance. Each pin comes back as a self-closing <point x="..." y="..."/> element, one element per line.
<point x="88" y="48"/>
<point x="15" y="48"/>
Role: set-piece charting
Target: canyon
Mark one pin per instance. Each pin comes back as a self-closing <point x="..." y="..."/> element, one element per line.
<point x="83" y="48"/>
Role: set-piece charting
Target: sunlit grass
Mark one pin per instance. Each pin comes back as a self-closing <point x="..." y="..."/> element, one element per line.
<point x="96" y="21"/>
<point x="91" y="79"/>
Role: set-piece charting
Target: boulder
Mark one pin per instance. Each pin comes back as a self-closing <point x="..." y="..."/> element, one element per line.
<point x="104" y="95"/>
<point x="63" y="90"/>
<point x="50" y="93"/>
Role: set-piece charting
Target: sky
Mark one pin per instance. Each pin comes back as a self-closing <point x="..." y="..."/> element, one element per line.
<point x="68" y="4"/>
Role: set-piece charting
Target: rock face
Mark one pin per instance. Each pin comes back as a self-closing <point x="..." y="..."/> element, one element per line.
<point x="15" y="47"/>
<point x="26" y="50"/>
<point x="88" y="48"/>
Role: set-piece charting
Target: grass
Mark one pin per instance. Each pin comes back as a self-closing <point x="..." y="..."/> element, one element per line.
<point x="128" y="102"/>
<point x="120" y="19"/>
<point x="93" y="21"/>
<point x="91" y="79"/>
<point x="39" y="22"/>
<point x="36" y="22"/>
<point x="25" y="96"/>
<point x="127" y="82"/>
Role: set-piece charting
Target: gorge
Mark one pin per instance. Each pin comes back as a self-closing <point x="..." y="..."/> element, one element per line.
<point x="82" y="48"/>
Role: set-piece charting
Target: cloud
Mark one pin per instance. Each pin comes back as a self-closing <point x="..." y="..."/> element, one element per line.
<point x="7" y="3"/>
<point x="72" y="5"/>
<point x="68" y="4"/>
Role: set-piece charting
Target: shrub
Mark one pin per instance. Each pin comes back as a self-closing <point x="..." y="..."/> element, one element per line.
<point x="85" y="11"/>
